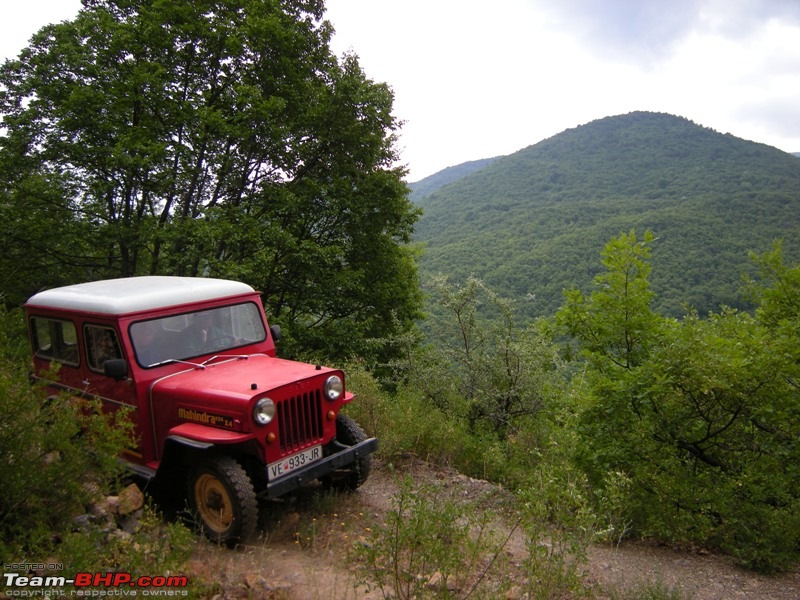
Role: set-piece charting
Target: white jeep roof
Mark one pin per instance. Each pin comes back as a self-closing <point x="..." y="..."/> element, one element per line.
<point x="134" y="294"/>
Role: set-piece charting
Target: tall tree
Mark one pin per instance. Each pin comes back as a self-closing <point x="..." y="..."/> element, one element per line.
<point x="214" y="137"/>
<point x="496" y="373"/>
<point x="613" y="324"/>
<point x="701" y="415"/>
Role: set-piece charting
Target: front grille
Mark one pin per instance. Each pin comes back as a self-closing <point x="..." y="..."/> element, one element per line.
<point x="300" y="421"/>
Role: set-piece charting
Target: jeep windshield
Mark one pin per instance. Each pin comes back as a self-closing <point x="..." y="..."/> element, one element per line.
<point x="193" y="334"/>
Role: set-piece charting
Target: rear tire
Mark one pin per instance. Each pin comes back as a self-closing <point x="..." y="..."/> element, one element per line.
<point x="349" y="433"/>
<point x="223" y="501"/>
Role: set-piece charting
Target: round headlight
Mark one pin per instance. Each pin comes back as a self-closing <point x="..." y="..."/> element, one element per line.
<point x="333" y="387"/>
<point x="263" y="411"/>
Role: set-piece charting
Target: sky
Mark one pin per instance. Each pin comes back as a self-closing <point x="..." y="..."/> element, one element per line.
<point x="474" y="79"/>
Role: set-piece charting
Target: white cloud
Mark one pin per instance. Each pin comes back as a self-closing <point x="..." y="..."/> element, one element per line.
<point x="746" y="85"/>
<point x="20" y="20"/>
<point x="474" y="79"/>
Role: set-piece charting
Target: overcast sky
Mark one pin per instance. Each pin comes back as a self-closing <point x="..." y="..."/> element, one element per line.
<point x="474" y="79"/>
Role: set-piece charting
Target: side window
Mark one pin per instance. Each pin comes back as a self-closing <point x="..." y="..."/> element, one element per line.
<point x="101" y="345"/>
<point x="54" y="339"/>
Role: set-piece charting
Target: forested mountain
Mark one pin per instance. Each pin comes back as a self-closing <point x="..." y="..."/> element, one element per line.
<point x="430" y="184"/>
<point x="533" y="223"/>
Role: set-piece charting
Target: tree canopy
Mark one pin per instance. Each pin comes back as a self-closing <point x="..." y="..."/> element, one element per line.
<point x="694" y="421"/>
<point x="208" y="137"/>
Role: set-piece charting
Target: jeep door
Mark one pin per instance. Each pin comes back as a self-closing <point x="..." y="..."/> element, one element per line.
<point x="102" y="344"/>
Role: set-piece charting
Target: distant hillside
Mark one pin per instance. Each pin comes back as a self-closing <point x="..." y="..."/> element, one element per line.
<point x="430" y="184"/>
<point x="533" y="223"/>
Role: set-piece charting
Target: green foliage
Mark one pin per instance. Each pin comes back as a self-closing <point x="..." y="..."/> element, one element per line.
<point x="529" y="224"/>
<point x="52" y="450"/>
<point x="557" y="518"/>
<point x="428" y="547"/>
<point x="58" y="456"/>
<point x="14" y="345"/>
<point x="552" y="512"/>
<point x="198" y="137"/>
<point x="557" y="547"/>
<point x="433" y="547"/>
<point x="693" y="423"/>
<point x="407" y="424"/>
<point x="444" y="408"/>
<point x="418" y="406"/>
<point x="155" y="547"/>
<point x="614" y="323"/>
<point x="777" y="291"/>
<point x="491" y="370"/>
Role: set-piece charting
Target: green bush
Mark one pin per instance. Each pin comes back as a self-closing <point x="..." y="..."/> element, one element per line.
<point x="55" y="456"/>
<point x="698" y="418"/>
<point x="430" y="546"/>
<point x="58" y="456"/>
<point x="405" y="423"/>
<point x="155" y="547"/>
<point x="558" y="521"/>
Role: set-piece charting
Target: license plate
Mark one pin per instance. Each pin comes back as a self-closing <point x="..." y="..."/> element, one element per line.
<point x="295" y="461"/>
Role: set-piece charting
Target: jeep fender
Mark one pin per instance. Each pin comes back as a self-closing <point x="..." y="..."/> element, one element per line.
<point x="197" y="435"/>
<point x="187" y="442"/>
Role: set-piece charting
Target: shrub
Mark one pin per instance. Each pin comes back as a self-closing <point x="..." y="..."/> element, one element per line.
<point x="430" y="546"/>
<point x="58" y="455"/>
<point x="54" y="457"/>
<point x="404" y="422"/>
<point x="697" y="418"/>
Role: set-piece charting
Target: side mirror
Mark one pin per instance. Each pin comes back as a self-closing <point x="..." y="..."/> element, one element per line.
<point x="275" y="330"/>
<point x="116" y="368"/>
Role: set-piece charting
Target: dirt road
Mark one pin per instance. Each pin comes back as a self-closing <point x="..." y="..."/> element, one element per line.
<point x="304" y="552"/>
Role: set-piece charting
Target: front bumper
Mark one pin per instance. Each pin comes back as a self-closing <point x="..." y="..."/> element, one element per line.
<point x="320" y="468"/>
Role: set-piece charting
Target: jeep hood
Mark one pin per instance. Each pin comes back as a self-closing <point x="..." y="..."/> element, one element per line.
<point x="232" y="382"/>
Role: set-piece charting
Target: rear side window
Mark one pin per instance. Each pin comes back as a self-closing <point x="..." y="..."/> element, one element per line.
<point x="54" y="339"/>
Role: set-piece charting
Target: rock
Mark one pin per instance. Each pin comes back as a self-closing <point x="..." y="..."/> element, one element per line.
<point x="437" y="583"/>
<point x="82" y="522"/>
<point x="131" y="499"/>
<point x="129" y="523"/>
<point x="112" y="504"/>
<point x="120" y="535"/>
<point x="105" y="508"/>
<point x="256" y="582"/>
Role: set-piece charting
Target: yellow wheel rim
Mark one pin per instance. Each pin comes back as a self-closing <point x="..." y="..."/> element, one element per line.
<point x="213" y="503"/>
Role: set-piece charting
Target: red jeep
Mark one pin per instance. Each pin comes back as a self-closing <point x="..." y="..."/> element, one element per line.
<point x="213" y="407"/>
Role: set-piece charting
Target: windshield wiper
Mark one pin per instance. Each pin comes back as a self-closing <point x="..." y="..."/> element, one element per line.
<point x="231" y="356"/>
<point x="177" y="360"/>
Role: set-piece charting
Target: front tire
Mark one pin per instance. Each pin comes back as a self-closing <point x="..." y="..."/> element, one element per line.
<point x="349" y="433"/>
<point x="223" y="501"/>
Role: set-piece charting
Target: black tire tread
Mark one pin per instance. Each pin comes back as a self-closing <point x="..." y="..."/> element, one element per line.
<point x="349" y="433"/>
<point x="235" y="478"/>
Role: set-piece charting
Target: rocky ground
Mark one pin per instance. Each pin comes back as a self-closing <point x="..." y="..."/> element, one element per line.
<point x="305" y="551"/>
